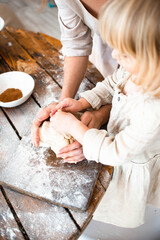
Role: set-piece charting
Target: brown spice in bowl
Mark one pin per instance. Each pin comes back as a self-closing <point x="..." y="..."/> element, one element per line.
<point x="11" y="94"/>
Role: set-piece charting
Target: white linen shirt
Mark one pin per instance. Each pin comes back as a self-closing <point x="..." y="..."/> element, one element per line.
<point x="131" y="144"/>
<point x="80" y="36"/>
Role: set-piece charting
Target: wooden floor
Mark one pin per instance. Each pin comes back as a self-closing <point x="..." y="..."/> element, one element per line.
<point x="34" y="19"/>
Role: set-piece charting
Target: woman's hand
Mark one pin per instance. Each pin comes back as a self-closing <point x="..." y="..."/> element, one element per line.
<point x="95" y="119"/>
<point x="42" y="115"/>
<point x="72" y="153"/>
<point x="91" y="120"/>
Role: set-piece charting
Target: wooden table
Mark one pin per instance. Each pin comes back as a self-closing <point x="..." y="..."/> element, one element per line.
<point x="22" y="216"/>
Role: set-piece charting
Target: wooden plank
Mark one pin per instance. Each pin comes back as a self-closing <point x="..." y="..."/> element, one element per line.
<point x="106" y="175"/>
<point x="104" y="178"/>
<point x="11" y="51"/>
<point x="84" y="218"/>
<point x="22" y="116"/>
<point x="26" y="154"/>
<point x="53" y="41"/>
<point x="32" y="70"/>
<point x="8" y="139"/>
<point x="42" y="220"/>
<point x="37" y="172"/>
<point x="8" y="226"/>
<point x="84" y="86"/>
<point x="93" y="74"/>
<point x="46" y="55"/>
<point x="18" y="59"/>
<point x="40" y="50"/>
<point x="3" y="66"/>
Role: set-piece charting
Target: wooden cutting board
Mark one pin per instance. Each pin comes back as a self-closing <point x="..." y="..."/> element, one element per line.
<point x="38" y="173"/>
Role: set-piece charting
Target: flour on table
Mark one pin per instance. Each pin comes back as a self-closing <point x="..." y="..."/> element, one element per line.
<point x="37" y="172"/>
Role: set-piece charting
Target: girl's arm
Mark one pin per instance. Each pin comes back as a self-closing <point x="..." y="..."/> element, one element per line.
<point x="133" y="143"/>
<point x="65" y="122"/>
<point x="92" y="119"/>
<point x="103" y="92"/>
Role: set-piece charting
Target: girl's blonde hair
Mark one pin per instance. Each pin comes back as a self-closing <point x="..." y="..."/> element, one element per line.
<point x="133" y="27"/>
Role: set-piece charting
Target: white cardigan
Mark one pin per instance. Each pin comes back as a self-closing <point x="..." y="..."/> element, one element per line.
<point x="131" y="144"/>
<point x="80" y="35"/>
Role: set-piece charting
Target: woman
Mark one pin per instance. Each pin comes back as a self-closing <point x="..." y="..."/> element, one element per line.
<point x="80" y="39"/>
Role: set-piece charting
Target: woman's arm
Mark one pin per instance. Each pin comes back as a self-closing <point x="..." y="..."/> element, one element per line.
<point x="74" y="71"/>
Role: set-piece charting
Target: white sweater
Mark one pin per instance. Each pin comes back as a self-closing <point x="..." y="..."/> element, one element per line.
<point x="131" y="144"/>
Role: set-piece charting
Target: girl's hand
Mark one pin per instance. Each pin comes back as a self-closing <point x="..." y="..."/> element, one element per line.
<point x="62" y="121"/>
<point x="72" y="153"/>
<point x="42" y="115"/>
<point x="70" y="105"/>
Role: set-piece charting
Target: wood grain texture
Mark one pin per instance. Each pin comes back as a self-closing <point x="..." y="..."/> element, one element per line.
<point x="8" y="226"/>
<point x="42" y="220"/>
<point x="37" y="172"/>
<point x="35" y="18"/>
<point x="19" y="59"/>
<point x="9" y="140"/>
<point x="84" y="218"/>
<point x="39" y="169"/>
<point x="106" y="175"/>
<point x="53" y="41"/>
<point x="41" y="51"/>
<point x="47" y="56"/>
<point x="22" y="116"/>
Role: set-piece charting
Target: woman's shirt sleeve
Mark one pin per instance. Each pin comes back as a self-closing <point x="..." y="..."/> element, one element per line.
<point x="138" y="142"/>
<point x="75" y="35"/>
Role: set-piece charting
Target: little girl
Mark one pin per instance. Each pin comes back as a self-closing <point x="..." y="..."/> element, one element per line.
<point x="131" y="142"/>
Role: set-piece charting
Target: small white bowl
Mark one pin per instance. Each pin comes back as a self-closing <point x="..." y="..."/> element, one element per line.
<point x="18" y="80"/>
<point x="1" y="23"/>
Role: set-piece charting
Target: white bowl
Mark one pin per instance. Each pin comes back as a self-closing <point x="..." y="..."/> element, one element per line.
<point x="1" y="23"/>
<point x="18" y="80"/>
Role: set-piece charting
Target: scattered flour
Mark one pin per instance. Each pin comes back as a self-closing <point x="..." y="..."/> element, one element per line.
<point x="8" y="227"/>
<point x="9" y="44"/>
<point x="38" y="172"/>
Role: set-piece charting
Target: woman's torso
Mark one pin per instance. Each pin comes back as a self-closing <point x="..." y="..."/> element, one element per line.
<point x="79" y="24"/>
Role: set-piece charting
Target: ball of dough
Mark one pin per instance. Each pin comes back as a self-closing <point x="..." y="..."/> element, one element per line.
<point x="53" y="139"/>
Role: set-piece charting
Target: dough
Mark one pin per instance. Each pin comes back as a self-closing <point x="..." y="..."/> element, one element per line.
<point x="51" y="138"/>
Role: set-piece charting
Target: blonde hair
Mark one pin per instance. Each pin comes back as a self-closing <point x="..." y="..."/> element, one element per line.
<point x="133" y="27"/>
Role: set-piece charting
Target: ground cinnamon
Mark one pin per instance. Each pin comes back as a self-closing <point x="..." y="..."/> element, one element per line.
<point x="11" y="94"/>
